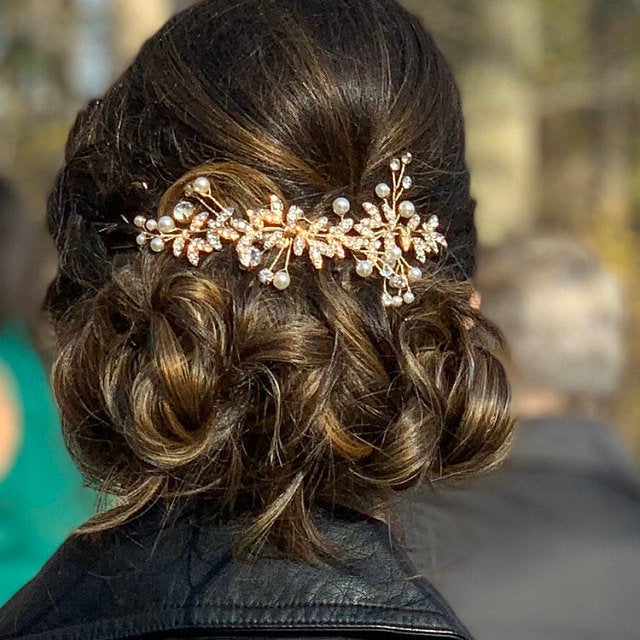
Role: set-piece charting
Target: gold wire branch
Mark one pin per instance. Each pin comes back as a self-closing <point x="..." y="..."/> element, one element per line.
<point x="382" y="241"/>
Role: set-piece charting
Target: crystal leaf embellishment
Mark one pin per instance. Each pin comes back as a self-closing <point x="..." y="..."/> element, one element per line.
<point x="382" y="241"/>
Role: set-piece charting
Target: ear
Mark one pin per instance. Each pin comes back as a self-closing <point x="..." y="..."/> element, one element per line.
<point x="475" y="300"/>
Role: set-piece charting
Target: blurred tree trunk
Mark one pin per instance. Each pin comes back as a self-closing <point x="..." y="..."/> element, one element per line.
<point x="495" y="48"/>
<point x="503" y="120"/>
<point x="135" y="22"/>
<point x="611" y="21"/>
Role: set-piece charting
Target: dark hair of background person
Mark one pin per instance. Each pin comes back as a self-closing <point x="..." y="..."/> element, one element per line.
<point x="174" y="381"/>
<point x="19" y="256"/>
<point x="25" y="257"/>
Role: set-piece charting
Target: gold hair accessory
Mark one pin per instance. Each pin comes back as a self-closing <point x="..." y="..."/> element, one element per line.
<point x="270" y="237"/>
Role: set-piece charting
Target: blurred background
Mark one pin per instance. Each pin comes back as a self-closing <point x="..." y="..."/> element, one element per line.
<point x="551" y="90"/>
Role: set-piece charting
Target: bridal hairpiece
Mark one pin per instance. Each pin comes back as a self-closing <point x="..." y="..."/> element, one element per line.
<point x="381" y="241"/>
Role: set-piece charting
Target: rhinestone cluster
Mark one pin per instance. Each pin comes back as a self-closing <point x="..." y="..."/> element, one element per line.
<point x="380" y="241"/>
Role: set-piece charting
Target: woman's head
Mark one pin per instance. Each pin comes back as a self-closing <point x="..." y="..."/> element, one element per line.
<point x="175" y="380"/>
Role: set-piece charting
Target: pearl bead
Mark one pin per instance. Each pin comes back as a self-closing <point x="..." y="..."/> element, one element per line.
<point x="415" y="273"/>
<point x="139" y="221"/>
<point x="407" y="158"/>
<point x="141" y="239"/>
<point x="397" y="301"/>
<point x="341" y="206"/>
<point x="166" y="224"/>
<point x="364" y="268"/>
<point x="383" y="190"/>
<point x="152" y="225"/>
<point x="387" y="300"/>
<point x="281" y="280"/>
<point x="396" y="252"/>
<point x="406" y="209"/>
<point x="408" y="297"/>
<point x="157" y="245"/>
<point x="202" y="185"/>
<point x="407" y="182"/>
<point x="395" y="165"/>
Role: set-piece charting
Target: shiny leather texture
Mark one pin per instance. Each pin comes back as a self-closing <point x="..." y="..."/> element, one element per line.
<point x="175" y="578"/>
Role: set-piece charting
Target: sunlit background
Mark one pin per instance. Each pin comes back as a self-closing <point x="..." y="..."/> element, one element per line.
<point x="551" y="92"/>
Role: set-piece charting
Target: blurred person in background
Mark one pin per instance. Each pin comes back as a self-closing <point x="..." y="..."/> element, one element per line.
<point x="548" y="546"/>
<point x="41" y="494"/>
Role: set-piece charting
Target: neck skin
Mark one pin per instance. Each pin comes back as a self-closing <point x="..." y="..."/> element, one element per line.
<point x="542" y="401"/>
<point x="534" y="403"/>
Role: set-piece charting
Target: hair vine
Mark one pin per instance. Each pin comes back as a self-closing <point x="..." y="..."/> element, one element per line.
<point x="389" y="239"/>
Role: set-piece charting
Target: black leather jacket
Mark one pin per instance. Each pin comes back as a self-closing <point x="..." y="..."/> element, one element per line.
<point x="150" y="579"/>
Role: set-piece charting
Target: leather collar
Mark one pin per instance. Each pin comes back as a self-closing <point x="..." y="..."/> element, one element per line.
<point x="152" y="576"/>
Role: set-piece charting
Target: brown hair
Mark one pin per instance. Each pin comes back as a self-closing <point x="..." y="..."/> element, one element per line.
<point x="175" y="381"/>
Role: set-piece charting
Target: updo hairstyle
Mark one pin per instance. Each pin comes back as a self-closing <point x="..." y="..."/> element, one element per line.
<point x="173" y="380"/>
